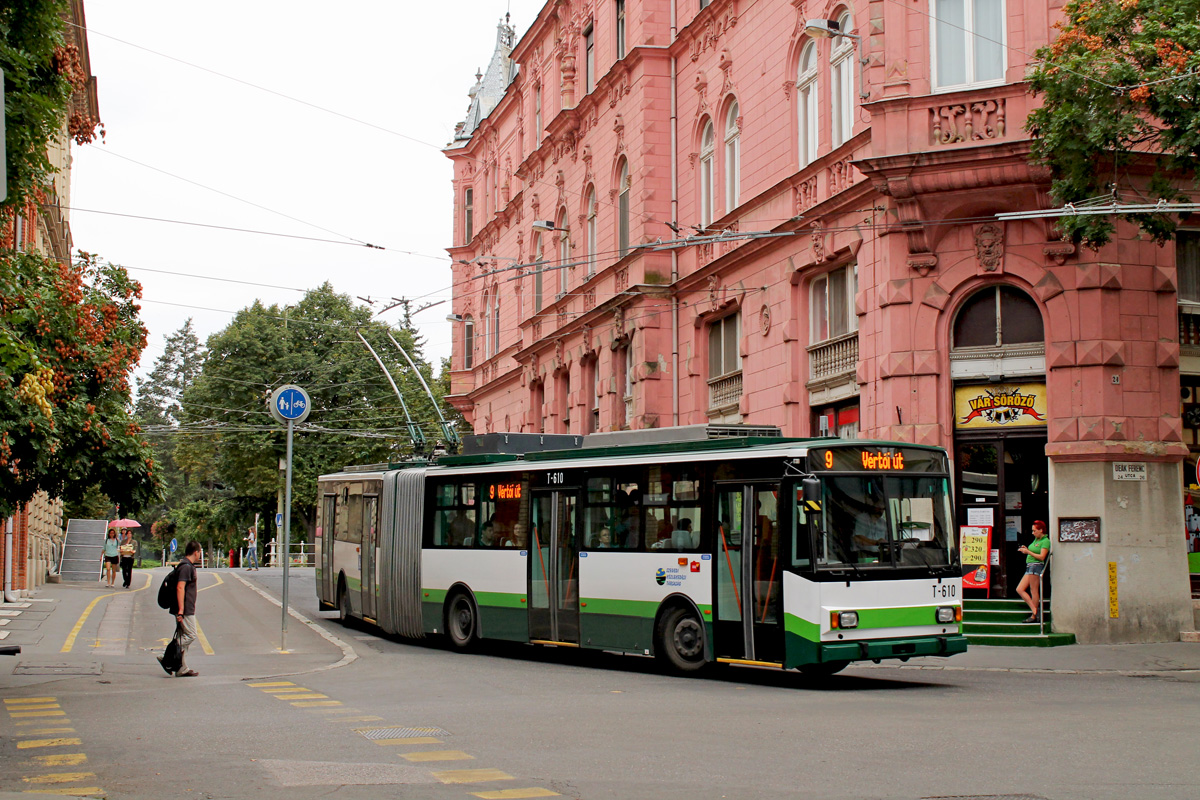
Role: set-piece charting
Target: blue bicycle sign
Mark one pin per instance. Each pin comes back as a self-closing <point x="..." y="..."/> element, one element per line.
<point x="290" y="404"/>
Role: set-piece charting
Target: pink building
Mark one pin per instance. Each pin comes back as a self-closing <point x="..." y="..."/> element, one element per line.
<point x="671" y="213"/>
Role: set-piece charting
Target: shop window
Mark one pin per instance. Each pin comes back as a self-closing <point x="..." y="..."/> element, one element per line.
<point x="996" y="316"/>
<point x="968" y="42"/>
<point x="832" y="299"/>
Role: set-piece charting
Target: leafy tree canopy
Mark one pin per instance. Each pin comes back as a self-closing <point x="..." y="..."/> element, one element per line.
<point x="229" y="446"/>
<point x="69" y="337"/>
<point x="1121" y="81"/>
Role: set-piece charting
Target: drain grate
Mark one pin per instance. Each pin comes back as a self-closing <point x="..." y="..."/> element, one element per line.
<point x="57" y="668"/>
<point x="400" y="733"/>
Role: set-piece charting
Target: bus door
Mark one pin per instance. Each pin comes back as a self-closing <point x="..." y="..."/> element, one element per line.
<point x="748" y="556"/>
<point x="370" y="552"/>
<point x="328" y="584"/>
<point x="553" y="567"/>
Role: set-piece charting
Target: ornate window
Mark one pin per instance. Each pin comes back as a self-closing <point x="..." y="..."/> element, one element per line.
<point x="969" y="41"/>
<point x="468" y="343"/>
<point x="733" y="158"/>
<point x="841" y="76"/>
<point x="620" y="29"/>
<point x="623" y="208"/>
<point x="591" y="232"/>
<point x="589" y="59"/>
<point x="707" y="157"/>
<point x="468" y="215"/>
<point x="564" y="251"/>
<point x="997" y="316"/>
<point x="496" y="323"/>
<point x="485" y="320"/>
<point x="832" y="304"/>
<point x="538" y="258"/>
<point x="806" y="104"/>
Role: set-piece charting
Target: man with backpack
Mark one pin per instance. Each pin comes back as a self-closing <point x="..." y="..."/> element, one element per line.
<point x="183" y="607"/>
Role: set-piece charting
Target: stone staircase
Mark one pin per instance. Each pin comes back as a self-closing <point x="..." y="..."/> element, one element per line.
<point x="83" y="550"/>
<point x="1001" y="623"/>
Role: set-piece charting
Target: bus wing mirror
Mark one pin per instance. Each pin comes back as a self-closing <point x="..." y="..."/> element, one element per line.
<point x="812" y="489"/>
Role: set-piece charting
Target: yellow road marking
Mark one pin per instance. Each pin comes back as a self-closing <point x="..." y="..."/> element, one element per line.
<point x="472" y="775"/>
<point x="208" y="651"/>
<point x="47" y="743"/>
<point x="211" y="585"/>
<point x="302" y="696"/>
<point x="65" y="760"/>
<point x="61" y="777"/>
<point x="21" y="700"/>
<point x="436" y="755"/>
<point x="505" y="794"/>
<point x="286" y="690"/>
<point x="273" y="683"/>
<point x="311" y="703"/>
<point x="34" y="707"/>
<point x="70" y="642"/>
<point x="83" y="792"/>
<point x="19" y="714"/>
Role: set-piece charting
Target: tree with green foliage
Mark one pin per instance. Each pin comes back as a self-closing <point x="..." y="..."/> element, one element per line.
<point x="69" y="338"/>
<point x="1121" y="107"/>
<point x="229" y="445"/>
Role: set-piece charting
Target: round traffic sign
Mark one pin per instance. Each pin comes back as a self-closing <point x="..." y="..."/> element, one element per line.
<point x="290" y="404"/>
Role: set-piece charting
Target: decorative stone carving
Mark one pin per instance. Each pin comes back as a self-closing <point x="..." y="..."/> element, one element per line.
<point x="726" y="65"/>
<point x="1058" y="252"/>
<point x="714" y="293"/>
<point x="713" y="29"/>
<point x="958" y="122"/>
<point x="619" y="322"/>
<point x="764" y="319"/>
<point x="805" y="195"/>
<point x="989" y="245"/>
<point x="923" y="263"/>
<point x="701" y="87"/>
<point x="622" y="279"/>
<point x="619" y="129"/>
<point x="537" y="329"/>
<point x="818" y="241"/>
<point x="840" y="175"/>
<point x="589" y="299"/>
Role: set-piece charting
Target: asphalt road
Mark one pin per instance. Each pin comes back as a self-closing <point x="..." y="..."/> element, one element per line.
<point x="353" y="714"/>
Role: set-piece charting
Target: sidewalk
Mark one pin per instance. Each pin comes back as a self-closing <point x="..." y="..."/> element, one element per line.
<point x="1139" y="659"/>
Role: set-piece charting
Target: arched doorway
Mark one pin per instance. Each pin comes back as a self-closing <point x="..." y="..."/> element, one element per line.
<point x="998" y="367"/>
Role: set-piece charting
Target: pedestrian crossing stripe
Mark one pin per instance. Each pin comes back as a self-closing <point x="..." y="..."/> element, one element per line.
<point x="437" y="755"/>
<point x="516" y="794"/>
<point x="73" y="792"/>
<point x="61" y="777"/>
<point x="311" y="703"/>
<point x="302" y="696"/>
<point x="64" y="760"/>
<point x="472" y="776"/>
<point x="13" y="701"/>
<point x="35" y="707"/>
<point x="28" y="743"/>
<point x="288" y="690"/>
<point x="19" y="714"/>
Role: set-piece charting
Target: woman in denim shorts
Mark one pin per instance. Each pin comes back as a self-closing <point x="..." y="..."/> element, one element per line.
<point x="1036" y="554"/>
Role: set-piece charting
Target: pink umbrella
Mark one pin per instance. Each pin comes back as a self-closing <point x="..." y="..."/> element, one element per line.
<point x="124" y="523"/>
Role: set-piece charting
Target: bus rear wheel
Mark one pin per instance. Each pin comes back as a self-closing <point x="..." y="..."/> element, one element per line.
<point x="344" y="615"/>
<point x="823" y="670"/>
<point x="681" y="640"/>
<point x="461" y="622"/>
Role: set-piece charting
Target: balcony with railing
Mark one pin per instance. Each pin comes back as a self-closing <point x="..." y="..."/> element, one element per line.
<point x="833" y="366"/>
<point x="724" y="392"/>
<point x="1189" y="330"/>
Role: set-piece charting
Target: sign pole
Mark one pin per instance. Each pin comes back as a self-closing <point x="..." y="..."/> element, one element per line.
<point x="287" y="537"/>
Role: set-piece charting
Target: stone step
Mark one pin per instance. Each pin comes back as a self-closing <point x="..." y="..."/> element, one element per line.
<point x="1005" y="640"/>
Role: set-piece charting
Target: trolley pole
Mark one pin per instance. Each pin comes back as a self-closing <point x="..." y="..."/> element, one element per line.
<point x="289" y="404"/>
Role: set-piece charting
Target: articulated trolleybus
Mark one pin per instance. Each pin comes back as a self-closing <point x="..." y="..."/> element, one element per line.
<point x="807" y="554"/>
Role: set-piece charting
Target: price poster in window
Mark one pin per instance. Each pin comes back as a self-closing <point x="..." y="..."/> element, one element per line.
<point x="974" y="547"/>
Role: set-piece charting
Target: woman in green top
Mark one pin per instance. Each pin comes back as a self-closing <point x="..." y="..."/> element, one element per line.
<point x="112" y="557"/>
<point x="1035" y="564"/>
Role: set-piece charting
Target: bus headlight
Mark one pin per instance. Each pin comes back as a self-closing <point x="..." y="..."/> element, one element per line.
<point x="843" y="619"/>
<point x="945" y="615"/>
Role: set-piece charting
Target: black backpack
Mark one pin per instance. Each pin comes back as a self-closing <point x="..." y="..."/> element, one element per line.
<point x="167" y="595"/>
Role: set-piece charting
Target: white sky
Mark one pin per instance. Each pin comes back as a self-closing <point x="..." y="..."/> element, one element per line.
<point x="401" y="65"/>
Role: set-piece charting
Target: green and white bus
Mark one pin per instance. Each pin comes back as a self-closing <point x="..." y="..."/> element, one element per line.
<point x="806" y="554"/>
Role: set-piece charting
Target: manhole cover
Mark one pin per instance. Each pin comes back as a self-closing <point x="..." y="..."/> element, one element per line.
<point x="401" y="733"/>
<point x="27" y="668"/>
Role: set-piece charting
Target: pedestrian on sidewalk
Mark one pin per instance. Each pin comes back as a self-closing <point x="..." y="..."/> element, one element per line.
<point x="1036" y="554"/>
<point x="112" y="557"/>
<point x="252" y="550"/>
<point x="127" y="550"/>
<point x="184" y="608"/>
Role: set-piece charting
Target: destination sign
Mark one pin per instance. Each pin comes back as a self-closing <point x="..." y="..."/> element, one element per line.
<point x="504" y="491"/>
<point x="876" y="458"/>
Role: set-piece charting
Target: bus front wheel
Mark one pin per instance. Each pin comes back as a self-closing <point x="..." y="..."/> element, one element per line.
<point x="461" y="622"/>
<point x="681" y="640"/>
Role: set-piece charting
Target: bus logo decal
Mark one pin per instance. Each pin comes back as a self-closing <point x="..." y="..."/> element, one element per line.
<point x="660" y="577"/>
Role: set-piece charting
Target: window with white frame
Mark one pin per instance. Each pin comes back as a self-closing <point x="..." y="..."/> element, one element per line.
<point x="539" y="256"/>
<point x="707" y="157"/>
<point x="969" y="40"/>
<point x="806" y="104"/>
<point x="832" y="304"/>
<point x="591" y="232"/>
<point x="626" y="362"/>
<point x="733" y="158"/>
<point x="564" y="251"/>
<point x="593" y="368"/>
<point x="724" y="357"/>
<point x="537" y="114"/>
<point x="589" y="59"/>
<point x="620" y="29"/>
<point x="1187" y="265"/>
<point x="485" y="320"/>
<point x="841" y="75"/>
<point x="623" y="208"/>
<point x="496" y="323"/>
<point x="468" y="343"/>
<point x="468" y="215"/>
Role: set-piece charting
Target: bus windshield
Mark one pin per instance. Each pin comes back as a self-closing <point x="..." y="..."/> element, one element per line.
<point x="878" y="521"/>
